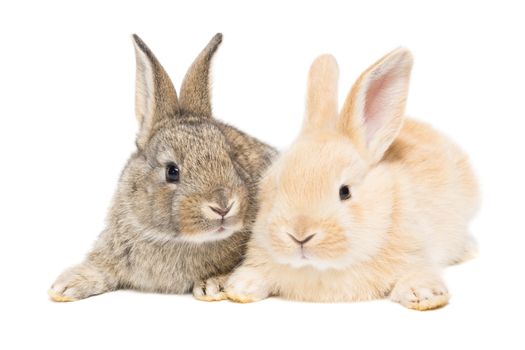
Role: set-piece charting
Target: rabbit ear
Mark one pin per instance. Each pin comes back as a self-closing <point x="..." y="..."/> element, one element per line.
<point x="374" y="110"/>
<point x="195" y="90"/>
<point x="321" y="100"/>
<point x="155" y="96"/>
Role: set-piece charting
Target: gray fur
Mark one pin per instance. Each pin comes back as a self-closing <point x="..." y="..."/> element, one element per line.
<point x="143" y="245"/>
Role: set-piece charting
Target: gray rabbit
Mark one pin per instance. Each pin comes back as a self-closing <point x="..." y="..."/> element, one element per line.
<point x="186" y="199"/>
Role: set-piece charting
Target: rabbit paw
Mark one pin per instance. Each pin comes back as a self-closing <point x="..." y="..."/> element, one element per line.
<point x="78" y="283"/>
<point x="211" y="289"/>
<point x="419" y="296"/>
<point x="246" y="286"/>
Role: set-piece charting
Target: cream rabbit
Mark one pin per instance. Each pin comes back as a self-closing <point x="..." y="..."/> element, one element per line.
<point x="364" y="205"/>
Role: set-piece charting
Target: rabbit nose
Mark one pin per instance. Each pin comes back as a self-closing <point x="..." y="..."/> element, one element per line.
<point x="303" y="241"/>
<point x="221" y="210"/>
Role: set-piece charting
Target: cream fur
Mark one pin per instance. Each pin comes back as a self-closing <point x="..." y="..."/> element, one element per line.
<point x="413" y="194"/>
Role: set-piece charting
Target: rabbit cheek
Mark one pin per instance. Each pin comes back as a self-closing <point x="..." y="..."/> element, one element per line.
<point x="162" y="207"/>
<point x="151" y="204"/>
<point x="276" y="238"/>
<point x="281" y="246"/>
<point x="191" y="222"/>
<point x="333" y="245"/>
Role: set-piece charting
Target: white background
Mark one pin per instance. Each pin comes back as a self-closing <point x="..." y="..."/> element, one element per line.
<point x="68" y="126"/>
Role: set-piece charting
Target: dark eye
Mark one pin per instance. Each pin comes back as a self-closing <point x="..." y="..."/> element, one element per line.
<point x="344" y="193"/>
<point x="172" y="173"/>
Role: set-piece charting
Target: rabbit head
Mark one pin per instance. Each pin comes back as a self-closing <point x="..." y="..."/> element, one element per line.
<point x="182" y="182"/>
<point x="327" y="201"/>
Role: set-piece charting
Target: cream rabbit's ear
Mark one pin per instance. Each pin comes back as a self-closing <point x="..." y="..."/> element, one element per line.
<point x="155" y="96"/>
<point x="374" y="110"/>
<point x="195" y="89"/>
<point x="321" y="99"/>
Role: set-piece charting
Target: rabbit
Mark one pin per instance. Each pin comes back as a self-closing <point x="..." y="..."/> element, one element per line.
<point x="365" y="204"/>
<point x="186" y="198"/>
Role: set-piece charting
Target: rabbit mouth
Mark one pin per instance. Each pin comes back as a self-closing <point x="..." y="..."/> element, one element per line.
<point x="223" y="226"/>
<point x="222" y="230"/>
<point x="303" y="255"/>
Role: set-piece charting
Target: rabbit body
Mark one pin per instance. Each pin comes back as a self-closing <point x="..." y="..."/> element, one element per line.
<point x="406" y="196"/>
<point x="186" y="198"/>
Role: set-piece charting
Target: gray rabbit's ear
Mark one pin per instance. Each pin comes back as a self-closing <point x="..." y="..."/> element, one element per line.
<point x="155" y="96"/>
<point x="195" y="90"/>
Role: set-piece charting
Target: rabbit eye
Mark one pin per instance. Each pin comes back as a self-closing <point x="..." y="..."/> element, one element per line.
<point x="344" y="193"/>
<point x="172" y="173"/>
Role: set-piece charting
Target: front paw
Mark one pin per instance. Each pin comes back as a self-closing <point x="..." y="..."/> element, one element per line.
<point x="77" y="283"/>
<point x="211" y="289"/>
<point x="246" y="286"/>
<point x="421" y="295"/>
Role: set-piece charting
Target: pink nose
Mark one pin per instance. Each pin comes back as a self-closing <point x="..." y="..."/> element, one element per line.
<point x="221" y="211"/>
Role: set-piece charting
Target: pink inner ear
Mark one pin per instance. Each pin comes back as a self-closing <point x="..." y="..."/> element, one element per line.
<point x="379" y="102"/>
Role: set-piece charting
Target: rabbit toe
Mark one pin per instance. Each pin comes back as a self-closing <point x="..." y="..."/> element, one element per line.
<point x="245" y="287"/>
<point x="211" y="289"/>
<point x="421" y="297"/>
